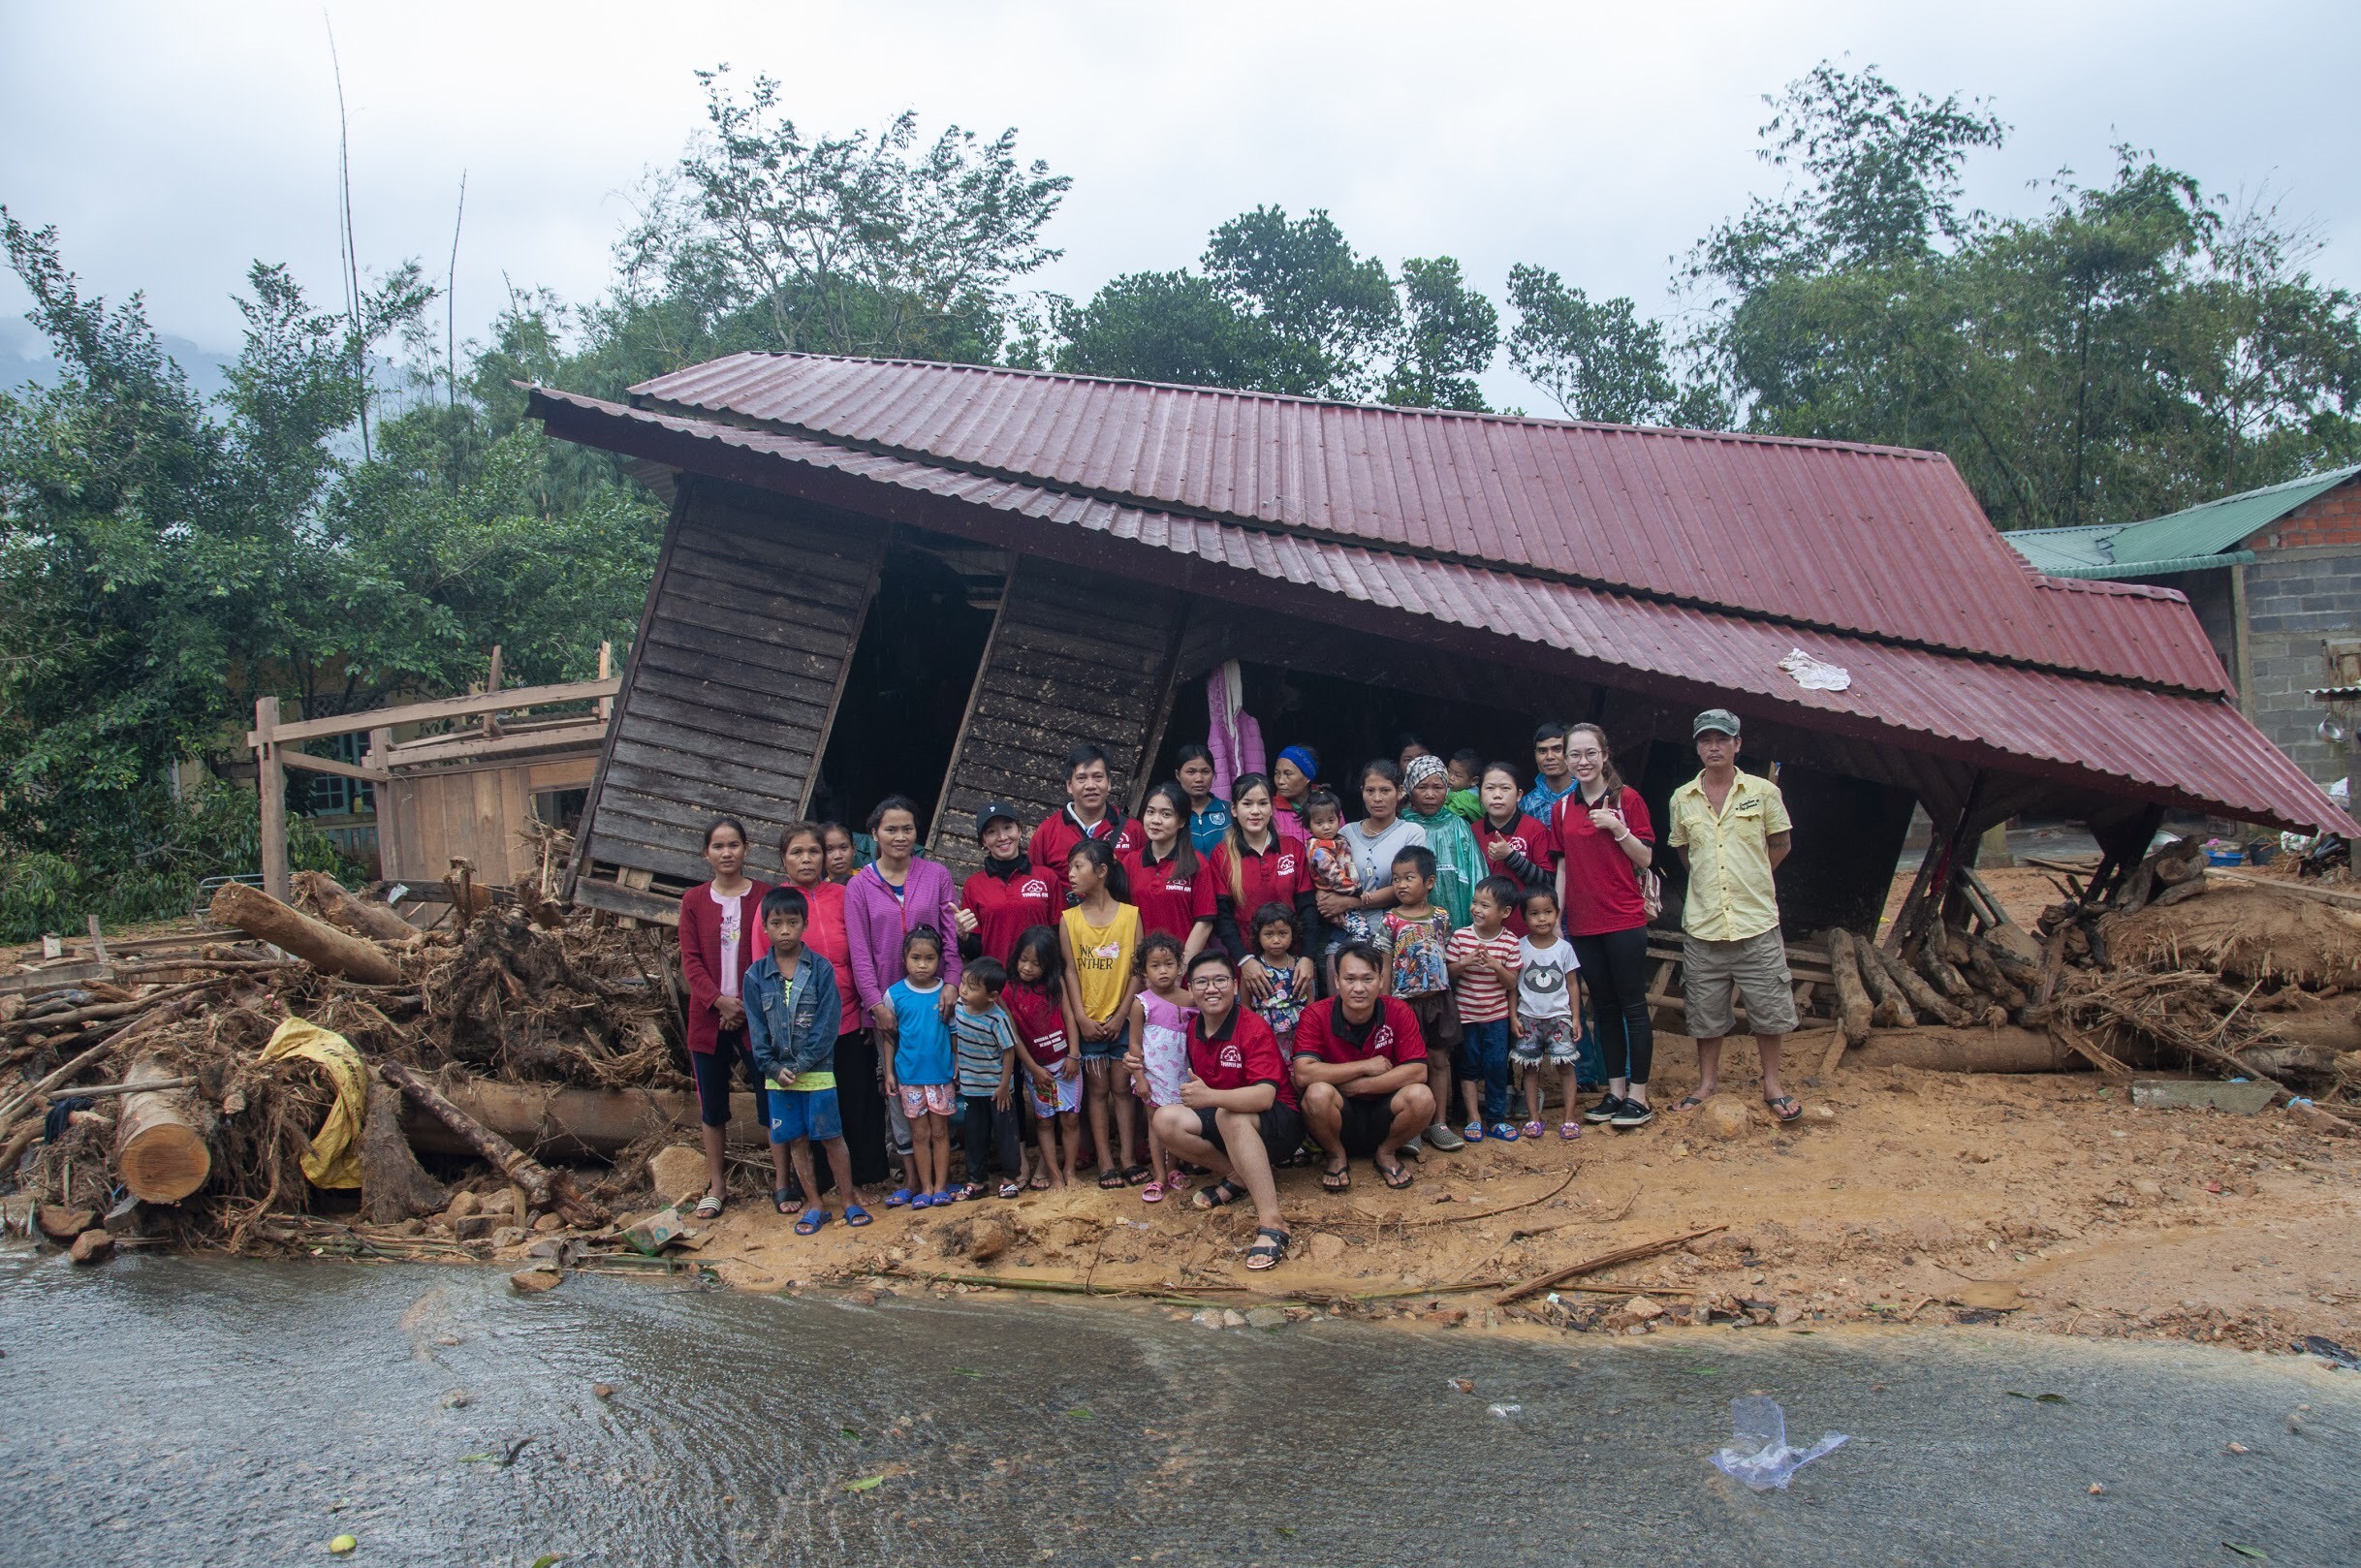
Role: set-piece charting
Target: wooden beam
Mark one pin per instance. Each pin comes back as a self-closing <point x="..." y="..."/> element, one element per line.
<point x="968" y="714"/>
<point x="305" y="761"/>
<point x="636" y="902"/>
<point x="446" y="708"/>
<point x="582" y="736"/>
<point x="380" y="752"/>
<point x="845" y="672"/>
<point x="1164" y="707"/>
<point x="270" y="784"/>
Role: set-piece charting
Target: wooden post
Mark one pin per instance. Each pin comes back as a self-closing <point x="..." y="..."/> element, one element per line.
<point x="606" y="671"/>
<point x="492" y="684"/>
<point x="381" y="792"/>
<point x="270" y="783"/>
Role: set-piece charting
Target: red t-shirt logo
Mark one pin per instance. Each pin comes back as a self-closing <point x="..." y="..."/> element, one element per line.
<point x="1232" y="1056"/>
<point x="1381" y="1043"/>
<point x="1035" y="888"/>
<point x="1287" y="866"/>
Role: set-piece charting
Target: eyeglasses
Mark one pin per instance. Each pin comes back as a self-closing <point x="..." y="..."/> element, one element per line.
<point x="1213" y="980"/>
<point x="1586" y="755"/>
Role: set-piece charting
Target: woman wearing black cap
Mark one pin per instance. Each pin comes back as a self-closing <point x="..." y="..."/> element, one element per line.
<point x="998" y="902"/>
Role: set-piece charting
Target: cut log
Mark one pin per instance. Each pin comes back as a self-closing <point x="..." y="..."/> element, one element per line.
<point x="160" y="1152"/>
<point x="394" y="1187"/>
<point x="363" y="917"/>
<point x="554" y="1123"/>
<point x="1966" y="1051"/>
<point x="1939" y="970"/>
<point x="2180" y="892"/>
<point x="1889" y="1008"/>
<point x="1988" y="976"/>
<point x="1929" y="1002"/>
<point x="547" y="1188"/>
<point x="1853" y="1006"/>
<point x="316" y="942"/>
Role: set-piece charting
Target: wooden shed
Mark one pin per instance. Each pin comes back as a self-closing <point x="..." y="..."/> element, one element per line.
<point x="934" y="579"/>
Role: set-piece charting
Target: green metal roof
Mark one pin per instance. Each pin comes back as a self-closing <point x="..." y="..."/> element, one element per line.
<point x="2193" y="539"/>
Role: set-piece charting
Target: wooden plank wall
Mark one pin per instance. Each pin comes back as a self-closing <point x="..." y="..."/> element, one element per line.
<point x="1073" y="657"/>
<point x="733" y="680"/>
<point x="477" y="812"/>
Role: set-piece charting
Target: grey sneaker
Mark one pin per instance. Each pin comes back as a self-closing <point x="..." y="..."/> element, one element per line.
<point x="1443" y="1137"/>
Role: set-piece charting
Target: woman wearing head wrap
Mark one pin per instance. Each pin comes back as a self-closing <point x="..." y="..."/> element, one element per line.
<point x="1458" y="864"/>
<point x="1291" y="779"/>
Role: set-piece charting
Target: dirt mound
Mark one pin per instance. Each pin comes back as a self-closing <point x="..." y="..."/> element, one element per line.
<point x="2244" y="932"/>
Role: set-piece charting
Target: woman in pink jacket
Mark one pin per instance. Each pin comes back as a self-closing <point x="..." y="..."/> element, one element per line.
<point x="886" y="900"/>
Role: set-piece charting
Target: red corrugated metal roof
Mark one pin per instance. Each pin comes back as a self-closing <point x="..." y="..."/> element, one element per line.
<point x="2107" y="736"/>
<point x="1877" y="541"/>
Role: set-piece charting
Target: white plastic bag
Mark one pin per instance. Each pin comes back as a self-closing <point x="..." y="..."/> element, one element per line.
<point x="1816" y="675"/>
<point x="1758" y="1453"/>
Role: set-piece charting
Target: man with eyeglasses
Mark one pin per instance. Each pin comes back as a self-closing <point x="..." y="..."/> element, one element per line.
<point x="1237" y="1115"/>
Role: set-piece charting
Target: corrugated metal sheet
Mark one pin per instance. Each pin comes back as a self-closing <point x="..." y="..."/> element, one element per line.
<point x="2101" y="735"/>
<point x="2216" y="525"/>
<point x="1876" y="541"/>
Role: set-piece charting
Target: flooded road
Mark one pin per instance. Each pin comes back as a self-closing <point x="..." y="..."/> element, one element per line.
<point x="194" y="1411"/>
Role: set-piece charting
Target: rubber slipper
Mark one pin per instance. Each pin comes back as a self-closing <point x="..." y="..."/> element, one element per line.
<point x="1178" y="1182"/>
<point x="1220" y="1195"/>
<point x="1396" y="1176"/>
<point x="1133" y="1175"/>
<point x="1532" y="1129"/>
<point x="1152" y="1193"/>
<point x="1109" y="1179"/>
<point x="1786" y="1106"/>
<point x="855" y="1216"/>
<point x="1503" y="1131"/>
<point x="1340" y="1180"/>
<point x="1040" y="1181"/>
<point x="1568" y="1131"/>
<point x="901" y="1198"/>
<point x="786" y="1200"/>
<point x="1269" y="1250"/>
<point x="708" y="1207"/>
<point x="1010" y="1189"/>
<point x="1688" y="1102"/>
<point x="810" y="1223"/>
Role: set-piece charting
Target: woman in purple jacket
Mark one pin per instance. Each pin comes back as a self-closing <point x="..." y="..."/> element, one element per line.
<point x="886" y="900"/>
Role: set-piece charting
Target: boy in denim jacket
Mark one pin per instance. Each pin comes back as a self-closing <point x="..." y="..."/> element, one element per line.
<point x="792" y="1016"/>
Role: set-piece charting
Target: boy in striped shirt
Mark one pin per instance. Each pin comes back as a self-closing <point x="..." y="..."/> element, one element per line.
<point x="983" y="1047"/>
<point x="1482" y="959"/>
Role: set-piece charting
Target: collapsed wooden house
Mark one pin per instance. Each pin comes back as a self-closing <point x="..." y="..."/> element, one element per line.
<point x="935" y="578"/>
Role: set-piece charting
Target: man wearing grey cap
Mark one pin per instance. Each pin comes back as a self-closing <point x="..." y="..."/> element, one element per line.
<point x="1732" y="831"/>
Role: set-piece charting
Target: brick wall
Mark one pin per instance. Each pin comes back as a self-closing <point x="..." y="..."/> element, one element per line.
<point x="2333" y="518"/>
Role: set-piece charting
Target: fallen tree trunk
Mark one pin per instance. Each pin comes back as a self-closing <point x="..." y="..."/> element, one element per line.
<point x="363" y="917"/>
<point x="1853" y="1008"/>
<point x="1979" y="1050"/>
<point x="160" y="1149"/>
<point x="573" y="1123"/>
<point x="394" y="1187"/>
<point x="319" y="943"/>
<point x="544" y="1188"/>
<point x="1939" y="970"/>
<point x="1889" y="1009"/>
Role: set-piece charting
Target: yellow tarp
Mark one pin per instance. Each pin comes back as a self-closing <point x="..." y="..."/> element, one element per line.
<point x="334" y="1159"/>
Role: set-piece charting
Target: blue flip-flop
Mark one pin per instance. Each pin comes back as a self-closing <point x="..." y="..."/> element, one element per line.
<point x="812" y="1220"/>
<point x="855" y="1216"/>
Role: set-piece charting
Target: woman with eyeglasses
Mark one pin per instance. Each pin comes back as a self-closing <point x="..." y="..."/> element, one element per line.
<point x="1238" y="1115"/>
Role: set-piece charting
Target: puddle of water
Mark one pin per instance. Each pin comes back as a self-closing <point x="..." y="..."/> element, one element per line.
<point x="176" y="1410"/>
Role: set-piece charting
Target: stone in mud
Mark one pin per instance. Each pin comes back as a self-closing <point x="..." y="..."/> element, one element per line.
<point x="1265" y="1317"/>
<point x="1325" y="1248"/>
<point x="676" y="1173"/>
<point x="92" y="1246"/>
<point x="534" y="1281"/>
<point x="462" y="1206"/>
<point x="1725" y="1117"/>
<point x="1634" y="1313"/>
<point x="510" y="1235"/>
<point x="61" y="1224"/>
<point x="984" y="1237"/>
<point x="545" y="1223"/>
<point x="471" y="1227"/>
<point x="1231" y="1318"/>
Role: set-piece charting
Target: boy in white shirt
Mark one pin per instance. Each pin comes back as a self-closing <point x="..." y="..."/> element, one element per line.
<point x="1546" y="975"/>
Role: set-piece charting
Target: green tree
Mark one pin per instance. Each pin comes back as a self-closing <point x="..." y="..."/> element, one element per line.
<point x="1327" y="314"/>
<point x="1172" y="326"/>
<point x="1450" y="332"/>
<point x="1597" y="362"/>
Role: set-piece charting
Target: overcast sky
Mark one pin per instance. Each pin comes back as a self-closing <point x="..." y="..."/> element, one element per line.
<point x="171" y="144"/>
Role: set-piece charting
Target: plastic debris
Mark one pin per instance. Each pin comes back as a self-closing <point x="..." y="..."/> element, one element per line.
<point x="1816" y="675"/>
<point x="1505" y="1411"/>
<point x="1758" y="1453"/>
<point x="2329" y="1351"/>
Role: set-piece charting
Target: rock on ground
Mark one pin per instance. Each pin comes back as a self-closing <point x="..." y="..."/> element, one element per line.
<point x="676" y="1173"/>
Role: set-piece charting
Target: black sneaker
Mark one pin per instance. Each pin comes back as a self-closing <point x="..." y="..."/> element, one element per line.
<point x="1608" y="1107"/>
<point x="1630" y="1113"/>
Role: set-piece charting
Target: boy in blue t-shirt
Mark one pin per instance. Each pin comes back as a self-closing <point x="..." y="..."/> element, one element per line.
<point x="792" y="1014"/>
<point x="919" y="1068"/>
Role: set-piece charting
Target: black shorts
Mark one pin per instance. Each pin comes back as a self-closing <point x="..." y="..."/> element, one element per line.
<point x="1438" y="1022"/>
<point x="713" y="1068"/>
<point x="1367" y="1119"/>
<point x="1281" y="1127"/>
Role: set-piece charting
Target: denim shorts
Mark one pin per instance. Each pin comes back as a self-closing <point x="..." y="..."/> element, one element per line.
<point x="1096" y="1051"/>
<point x="799" y="1113"/>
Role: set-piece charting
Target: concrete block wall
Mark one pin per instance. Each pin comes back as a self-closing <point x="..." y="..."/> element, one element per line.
<point x="2303" y="590"/>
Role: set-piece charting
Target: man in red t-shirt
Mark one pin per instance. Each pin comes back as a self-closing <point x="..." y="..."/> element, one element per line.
<point x="1360" y="1068"/>
<point x="1237" y="1115"/>
<point x="1086" y="814"/>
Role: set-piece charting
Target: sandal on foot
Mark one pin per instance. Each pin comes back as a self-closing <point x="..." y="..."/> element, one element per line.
<point x="855" y="1216"/>
<point x="786" y="1200"/>
<point x="1786" y="1107"/>
<point x="708" y="1207"/>
<point x="1040" y="1181"/>
<point x="1178" y="1182"/>
<point x="1135" y="1175"/>
<point x="1397" y="1176"/>
<point x="1270" y="1249"/>
<point x="1338" y="1180"/>
<point x="1109" y="1179"/>
<point x="970" y="1192"/>
<point x="1473" y="1132"/>
<point x="1568" y="1131"/>
<point x="1504" y="1132"/>
<point x="1152" y="1193"/>
<point x="1690" y="1102"/>
<point x="901" y="1198"/>
<point x="1220" y="1195"/>
<point x="1533" y="1128"/>
<point x="1011" y="1188"/>
<point x="812" y="1220"/>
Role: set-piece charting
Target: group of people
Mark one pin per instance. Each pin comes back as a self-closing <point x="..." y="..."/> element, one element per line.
<point x="1226" y="983"/>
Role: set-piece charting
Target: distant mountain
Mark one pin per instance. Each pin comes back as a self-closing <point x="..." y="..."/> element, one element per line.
<point x="24" y="356"/>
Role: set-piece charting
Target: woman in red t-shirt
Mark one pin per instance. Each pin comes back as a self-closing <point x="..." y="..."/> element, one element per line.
<point x="1514" y="845"/>
<point x="1607" y="843"/>
<point x="1253" y="866"/>
<point x="998" y="903"/>
<point x="1171" y="887"/>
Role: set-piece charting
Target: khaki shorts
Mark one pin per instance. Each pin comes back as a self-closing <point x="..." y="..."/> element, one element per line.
<point x="1754" y="968"/>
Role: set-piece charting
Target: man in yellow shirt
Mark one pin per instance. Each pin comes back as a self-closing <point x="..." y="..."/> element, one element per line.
<point x="1732" y="831"/>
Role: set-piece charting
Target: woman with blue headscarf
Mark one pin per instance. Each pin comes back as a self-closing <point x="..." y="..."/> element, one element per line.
<point x="1291" y="779"/>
